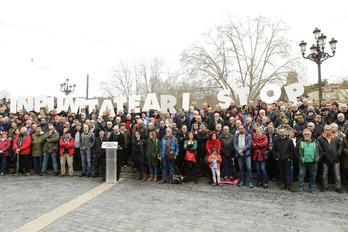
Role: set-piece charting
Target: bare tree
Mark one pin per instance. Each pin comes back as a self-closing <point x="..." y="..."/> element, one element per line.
<point x="121" y="81"/>
<point x="142" y="78"/>
<point x="248" y="53"/>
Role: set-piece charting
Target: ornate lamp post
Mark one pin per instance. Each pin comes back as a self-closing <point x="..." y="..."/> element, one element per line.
<point x="318" y="54"/>
<point x="67" y="88"/>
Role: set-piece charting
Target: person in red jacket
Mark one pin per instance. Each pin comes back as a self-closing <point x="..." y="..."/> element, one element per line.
<point x="213" y="142"/>
<point x="21" y="147"/>
<point x="259" y="145"/>
<point x="5" y="144"/>
<point x="66" y="152"/>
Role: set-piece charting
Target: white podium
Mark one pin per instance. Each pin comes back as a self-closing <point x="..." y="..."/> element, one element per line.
<point x="111" y="161"/>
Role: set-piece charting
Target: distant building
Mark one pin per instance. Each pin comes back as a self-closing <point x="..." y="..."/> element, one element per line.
<point x="292" y="78"/>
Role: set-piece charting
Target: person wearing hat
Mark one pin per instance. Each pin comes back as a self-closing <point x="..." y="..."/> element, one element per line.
<point x="5" y="145"/>
<point x="66" y="152"/>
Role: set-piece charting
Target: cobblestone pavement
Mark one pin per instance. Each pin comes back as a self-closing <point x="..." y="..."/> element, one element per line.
<point x="23" y="199"/>
<point x="142" y="206"/>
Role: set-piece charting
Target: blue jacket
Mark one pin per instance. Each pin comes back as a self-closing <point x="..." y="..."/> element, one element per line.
<point x="174" y="146"/>
<point x="247" y="148"/>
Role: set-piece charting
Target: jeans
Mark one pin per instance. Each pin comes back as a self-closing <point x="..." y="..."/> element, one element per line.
<point x="245" y="169"/>
<point x="261" y="171"/>
<point x="3" y="163"/>
<point x="86" y="161"/>
<point x="336" y="170"/>
<point x="285" y="171"/>
<point x="54" y="161"/>
<point x="37" y="164"/>
<point x="153" y="170"/>
<point x="312" y="169"/>
<point x="167" y="165"/>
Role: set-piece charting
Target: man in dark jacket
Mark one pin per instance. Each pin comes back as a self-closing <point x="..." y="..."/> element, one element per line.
<point x="330" y="148"/>
<point x="228" y="153"/>
<point x="117" y="136"/>
<point x="283" y="150"/>
<point x="98" y="156"/>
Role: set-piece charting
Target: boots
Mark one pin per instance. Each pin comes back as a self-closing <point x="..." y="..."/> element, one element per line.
<point x="155" y="178"/>
<point x="150" y="178"/>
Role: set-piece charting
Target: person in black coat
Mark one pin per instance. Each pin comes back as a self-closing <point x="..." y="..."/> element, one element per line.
<point x="99" y="156"/>
<point x="117" y="136"/>
<point x="284" y="152"/>
<point x="138" y="154"/>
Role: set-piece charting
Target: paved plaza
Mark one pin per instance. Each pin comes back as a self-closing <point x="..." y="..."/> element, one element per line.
<point x="142" y="206"/>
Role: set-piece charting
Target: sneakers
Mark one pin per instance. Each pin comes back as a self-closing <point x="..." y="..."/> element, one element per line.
<point x="241" y="183"/>
<point x="27" y="174"/>
<point x="1" y="174"/>
<point x="265" y="186"/>
<point x="251" y="185"/>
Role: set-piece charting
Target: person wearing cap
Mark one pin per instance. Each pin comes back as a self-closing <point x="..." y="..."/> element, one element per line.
<point x="38" y="140"/>
<point x="50" y="149"/>
<point x="66" y="152"/>
<point x="5" y="145"/>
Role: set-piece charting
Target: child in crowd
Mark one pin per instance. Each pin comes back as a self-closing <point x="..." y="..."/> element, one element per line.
<point x="214" y="161"/>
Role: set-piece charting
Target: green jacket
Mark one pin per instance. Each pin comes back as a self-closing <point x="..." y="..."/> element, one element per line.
<point x="51" y="144"/>
<point x="302" y="156"/>
<point x="37" y="143"/>
<point x="152" y="152"/>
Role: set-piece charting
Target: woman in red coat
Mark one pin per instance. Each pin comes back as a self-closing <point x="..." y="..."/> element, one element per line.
<point x="21" y="147"/>
<point x="5" y="144"/>
<point x="66" y="152"/>
<point x="213" y="142"/>
<point x="260" y="144"/>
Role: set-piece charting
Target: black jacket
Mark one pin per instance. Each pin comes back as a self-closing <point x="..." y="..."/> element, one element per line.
<point x="330" y="153"/>
<point x="283" y="149"/>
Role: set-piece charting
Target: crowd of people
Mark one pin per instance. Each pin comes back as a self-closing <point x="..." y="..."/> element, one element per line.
<point x="281" y="142"/>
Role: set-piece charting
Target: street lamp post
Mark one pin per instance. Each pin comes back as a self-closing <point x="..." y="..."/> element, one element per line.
<point x="318" y="54"/>
<point x="67" y="88"/>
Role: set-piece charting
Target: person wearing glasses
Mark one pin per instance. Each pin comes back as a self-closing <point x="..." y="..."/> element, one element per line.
<point x="330" y="148"/>
<point x="308" y="155"/>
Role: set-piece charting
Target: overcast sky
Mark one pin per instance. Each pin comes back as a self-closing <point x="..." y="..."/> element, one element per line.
<point x="44" y="42"/>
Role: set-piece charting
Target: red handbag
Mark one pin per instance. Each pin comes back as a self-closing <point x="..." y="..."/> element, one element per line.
<point x="190" y="156"/>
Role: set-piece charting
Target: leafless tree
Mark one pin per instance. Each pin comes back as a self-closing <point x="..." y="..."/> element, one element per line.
<point x="249" y="53"/>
